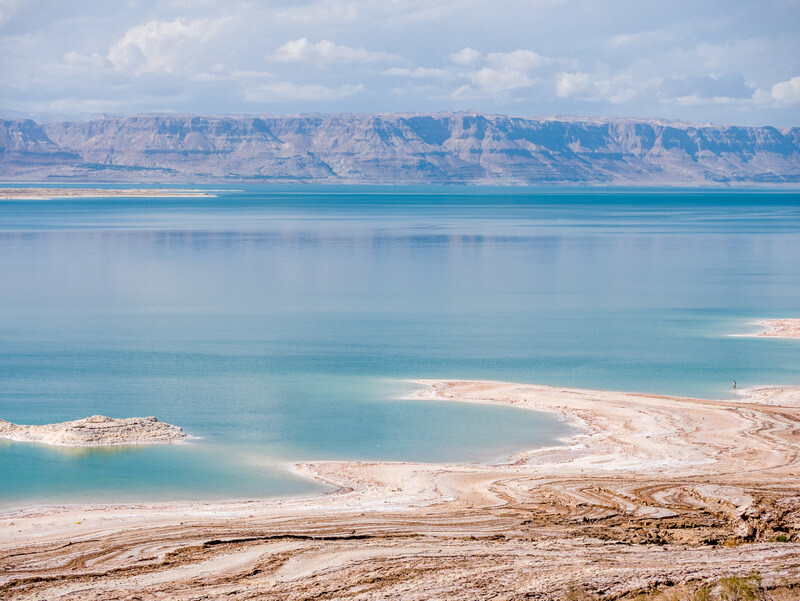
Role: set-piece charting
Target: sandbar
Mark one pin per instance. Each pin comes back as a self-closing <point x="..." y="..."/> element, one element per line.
<point x="96" y="431"/>
<point x="53" y="193"/>
<point x="655" y="492"/>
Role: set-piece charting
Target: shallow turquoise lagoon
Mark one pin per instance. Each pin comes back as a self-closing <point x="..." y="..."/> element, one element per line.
<point x="282" y="323"/>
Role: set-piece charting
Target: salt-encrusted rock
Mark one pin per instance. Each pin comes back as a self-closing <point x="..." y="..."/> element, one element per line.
<point x="96" y="431"/>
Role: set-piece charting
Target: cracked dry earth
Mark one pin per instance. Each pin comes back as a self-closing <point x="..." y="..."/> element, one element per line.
<point x="529" y="529"/>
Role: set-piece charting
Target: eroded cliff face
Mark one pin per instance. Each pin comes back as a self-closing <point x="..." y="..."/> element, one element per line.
<point x="442" y="147"/>
<point x="25" y="148"/>
<point x="198" y="146"/>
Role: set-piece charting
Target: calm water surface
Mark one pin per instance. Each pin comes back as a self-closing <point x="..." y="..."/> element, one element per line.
<point x="281" y="323"/>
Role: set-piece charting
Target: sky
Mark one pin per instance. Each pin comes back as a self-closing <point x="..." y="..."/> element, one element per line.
<point x="705" y="61"/>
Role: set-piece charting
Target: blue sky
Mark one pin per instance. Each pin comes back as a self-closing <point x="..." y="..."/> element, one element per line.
<point x="711" y="61"/>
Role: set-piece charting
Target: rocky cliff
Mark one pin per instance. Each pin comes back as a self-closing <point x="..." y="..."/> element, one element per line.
<point x="435" y="148"/>
<point x="25" y="149"/>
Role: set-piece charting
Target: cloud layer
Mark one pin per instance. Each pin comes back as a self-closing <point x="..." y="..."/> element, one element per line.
<point x="529" y="57"/>
<point x="325" y="52"/>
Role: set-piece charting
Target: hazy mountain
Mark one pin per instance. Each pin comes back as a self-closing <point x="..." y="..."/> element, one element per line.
<point x="24" y="148"/>
<point x="442" y="147"/>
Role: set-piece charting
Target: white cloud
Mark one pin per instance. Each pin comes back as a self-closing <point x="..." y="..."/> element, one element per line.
<point x="75" y="63"/>
<point x="729" y="85"/>
<point x="285" y="91"/>
<point x="75" y="59"/>
<point x="221" y="74"/>
<point x="325" y="11"/>
<point x="7" y="8"/>
<point x="654" y="37"/>
<point x="505" y="71"/>
<point x="519" y="60"/>
<point x="304" y="51"/>
<point x="85" y="105"/>
<point x="161" y="46"/>
<point x="493" y="80"/>
<point x="420" y="73"/>
<point x="396" y="13"/>
<point x="594" y="87"/>
<point x="619" y="88"/>
<point x="466" y="57"/>
<point x="572" y="84"/>
<point x="413" y="90"/>
<point x="180" y="55"/>
<point x="787" y="92"/>
<point x="696" y="100"/>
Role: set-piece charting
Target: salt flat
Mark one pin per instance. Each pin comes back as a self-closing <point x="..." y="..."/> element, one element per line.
<point x="655" y="489"/>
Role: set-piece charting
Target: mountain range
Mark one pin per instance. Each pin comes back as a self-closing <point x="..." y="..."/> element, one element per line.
<point x="396" y="148"/>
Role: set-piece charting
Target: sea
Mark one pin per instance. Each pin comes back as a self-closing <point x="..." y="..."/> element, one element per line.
<point x="280" y="323"/>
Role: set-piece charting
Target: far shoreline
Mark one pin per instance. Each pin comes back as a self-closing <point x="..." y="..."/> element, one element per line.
<point x="478" y="185"/>
<point x="34" y="193"/>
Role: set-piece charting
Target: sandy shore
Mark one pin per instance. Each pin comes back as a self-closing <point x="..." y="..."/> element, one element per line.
<point x="51" y="193"/>
<point x="776" y="328"/>
<point x="655" y="490"/>
<point x="96" y="431"/>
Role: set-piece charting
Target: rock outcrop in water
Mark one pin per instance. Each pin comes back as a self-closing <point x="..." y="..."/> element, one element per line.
<point x="399" y="148"/>
<point x="96" y="431"/>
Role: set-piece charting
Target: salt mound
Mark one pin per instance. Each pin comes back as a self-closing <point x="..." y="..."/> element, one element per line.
<point x="96" y="431"/>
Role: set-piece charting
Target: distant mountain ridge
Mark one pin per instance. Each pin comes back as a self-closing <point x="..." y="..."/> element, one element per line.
<point x="397" y="148"/>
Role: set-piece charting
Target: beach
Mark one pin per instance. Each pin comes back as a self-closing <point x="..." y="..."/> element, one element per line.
<point x="654" y="491"/>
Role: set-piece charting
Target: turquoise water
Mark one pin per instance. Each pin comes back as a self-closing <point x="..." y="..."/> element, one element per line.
<point x="282" y="323"/>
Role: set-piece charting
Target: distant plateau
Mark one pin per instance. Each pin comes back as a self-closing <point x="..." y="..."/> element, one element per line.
<point x="397" y="148"/>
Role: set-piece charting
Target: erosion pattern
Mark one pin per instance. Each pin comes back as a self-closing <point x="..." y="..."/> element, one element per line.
<point x="95" y="431"/>
<point x="400" y="148"/>
<point x="655" y="491"/>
